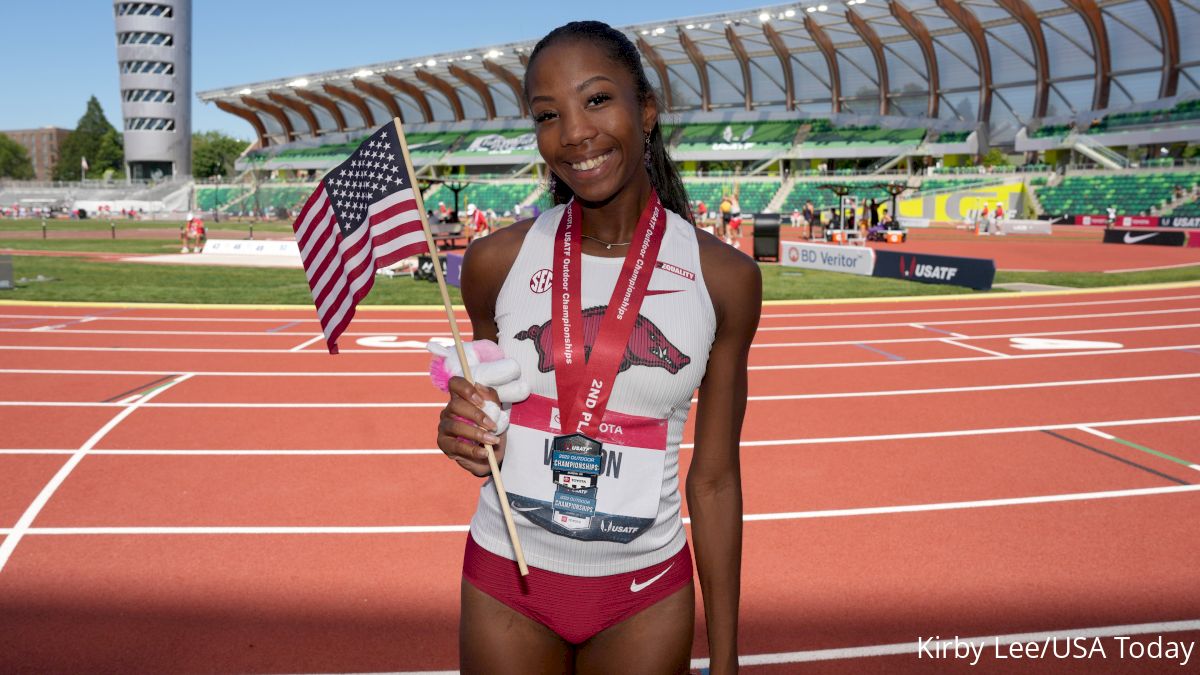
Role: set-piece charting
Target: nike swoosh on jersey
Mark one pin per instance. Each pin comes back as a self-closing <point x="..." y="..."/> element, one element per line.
<point x="664" y="292"/>
<point x="635" y="587"/>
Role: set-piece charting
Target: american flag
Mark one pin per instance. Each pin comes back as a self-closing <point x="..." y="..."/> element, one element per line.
<point x="362" y="217"/>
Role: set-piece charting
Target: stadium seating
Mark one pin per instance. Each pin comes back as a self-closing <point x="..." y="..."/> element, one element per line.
<point x="1051" y="131"/>
<point x="934" y="184"/>
<point x="420" y="144"/>
<point x="1191" y="209"/>
<point x="1130" y="193"/>
<point x="736" y="136"/>
<point x="500" y="197"/>
<point x="209" y="198"/>
<point x="823" y="133"/>
<point x="1182" y="112"/>
<point x="826" y="199"/>
<point x="753" y="196"/>
<point x="952" y="137"/>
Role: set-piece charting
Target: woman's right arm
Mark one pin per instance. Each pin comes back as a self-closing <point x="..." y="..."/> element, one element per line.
<point x="464" y="428"/>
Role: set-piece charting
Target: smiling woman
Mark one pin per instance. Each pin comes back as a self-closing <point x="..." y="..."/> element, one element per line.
<point x="591" y="457"/>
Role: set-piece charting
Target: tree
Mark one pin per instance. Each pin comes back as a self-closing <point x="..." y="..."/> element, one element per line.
<point x="213" y="154"/>
<point x="14" y="161"/>
<point x="995" y="157"/>
<point x="94" y="139"/>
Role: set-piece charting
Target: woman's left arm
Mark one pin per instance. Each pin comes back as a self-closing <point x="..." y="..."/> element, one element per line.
<point x="714" y="484"/>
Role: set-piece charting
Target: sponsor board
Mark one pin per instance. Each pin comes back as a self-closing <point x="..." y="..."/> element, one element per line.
<point x="286" y="247"/>
<point x="977" y="273"/>
<point x="1182" y="222"/>
<point x="852" y="260"/>
<point x="1136" y="221"/>
<point x="1145" y="237"/>
<point x="1093" y="221"/>
<point x="1025" y="226"/>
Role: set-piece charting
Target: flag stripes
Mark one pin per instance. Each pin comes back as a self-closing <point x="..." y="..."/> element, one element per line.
<point x="362" y="216"/>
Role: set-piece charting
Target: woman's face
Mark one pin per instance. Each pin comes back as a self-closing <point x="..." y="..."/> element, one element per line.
<point x="590" y="124"/>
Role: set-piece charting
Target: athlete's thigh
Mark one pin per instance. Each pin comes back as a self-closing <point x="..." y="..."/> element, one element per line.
<point x="655" y="641"/>
<point x="495" y="638"/>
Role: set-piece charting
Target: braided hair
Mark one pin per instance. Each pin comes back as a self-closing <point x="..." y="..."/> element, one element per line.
<point x="621" y="50"/>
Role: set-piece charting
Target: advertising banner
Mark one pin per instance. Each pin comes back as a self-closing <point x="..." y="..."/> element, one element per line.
<point x="957" y="206"/>
<point x="1146" y="237"/>
<point x="848" y="259"/>
<point x="977" y="273"/>
<point x="1182" y="222"/>
<point x="1025" y="226"/>
<point x="1136" y="221"/>
<point x="1094" y="221"/>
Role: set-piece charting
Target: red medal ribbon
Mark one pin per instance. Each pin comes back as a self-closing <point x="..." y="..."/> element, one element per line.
<point x="585" y="384"/>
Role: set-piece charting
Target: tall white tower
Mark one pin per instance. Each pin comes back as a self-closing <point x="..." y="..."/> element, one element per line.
<point x="154" y="55"/>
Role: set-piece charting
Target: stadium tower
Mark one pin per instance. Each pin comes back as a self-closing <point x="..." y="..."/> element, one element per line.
<point x="154" y="54"/>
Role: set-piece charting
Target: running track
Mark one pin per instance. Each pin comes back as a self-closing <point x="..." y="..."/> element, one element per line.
<point x="198" y="489"/>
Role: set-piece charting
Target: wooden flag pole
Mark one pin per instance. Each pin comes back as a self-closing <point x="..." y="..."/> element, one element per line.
<point x="462" y="356"/>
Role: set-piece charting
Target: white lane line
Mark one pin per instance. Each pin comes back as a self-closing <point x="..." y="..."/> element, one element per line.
<point x="762" y="329"/>
<point x="1088" y="331"/>
<point x="958" y="432"/>
<point x="423" y="373"/>
<point x="749" y="518"/>
<point x="982" y="387"/>
<point x="963" y="322"/>
<point x="129" y="399"/>
<point x="223" y="333"/>
<point x="976" y="308"/>
<point x="271" y="320"/>
<point x="215" y="373"/>
<point x="23" y="524"/>
<point x="974" y="504"/>
<point x="283" y="405"/>
<point x="1194" y="466"/>
<point x="766" y="345"/>
<point x="686" y="446"/>
<point x="1095" y="432"/>
<point x="218" y="453"/>
<point x="974" y="359"/>
<point x="302" y="345"/>
<point x="978" y="349"/>
<point x="915" y="647"/>
<point x="773" y="397"/>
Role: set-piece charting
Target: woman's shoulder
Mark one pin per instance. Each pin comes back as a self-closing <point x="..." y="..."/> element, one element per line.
<point x="731" y="276"/>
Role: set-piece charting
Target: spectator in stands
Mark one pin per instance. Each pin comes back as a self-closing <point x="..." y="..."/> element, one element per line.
<point x="443" y="212"/>
<point x="701" y="210"/>
<point x="872" y="212"/>
<point x="796" y="218"/>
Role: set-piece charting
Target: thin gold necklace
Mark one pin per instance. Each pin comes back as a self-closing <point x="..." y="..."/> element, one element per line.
<point x="607" y="245"/>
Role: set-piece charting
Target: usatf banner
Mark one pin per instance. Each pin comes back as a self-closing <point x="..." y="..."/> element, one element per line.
<point x="977" y="273"/>
<point x="1182" y="222"/>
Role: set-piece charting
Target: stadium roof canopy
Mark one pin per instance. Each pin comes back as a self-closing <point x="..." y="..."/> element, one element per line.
<point x="1003" y="62"/>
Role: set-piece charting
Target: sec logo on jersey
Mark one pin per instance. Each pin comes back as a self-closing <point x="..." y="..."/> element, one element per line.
<point x="540" y="281"/>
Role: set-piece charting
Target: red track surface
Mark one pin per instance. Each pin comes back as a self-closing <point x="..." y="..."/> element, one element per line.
<point x="901" y="483"/>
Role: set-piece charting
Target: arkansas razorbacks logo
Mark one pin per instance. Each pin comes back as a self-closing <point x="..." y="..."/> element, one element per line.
<point x="647" y="345"/>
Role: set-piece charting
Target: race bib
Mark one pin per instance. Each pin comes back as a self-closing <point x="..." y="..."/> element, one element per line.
<point x="619" y="499"/>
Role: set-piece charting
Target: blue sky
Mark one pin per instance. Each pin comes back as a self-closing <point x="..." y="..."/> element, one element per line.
<point x="57" y="53"/>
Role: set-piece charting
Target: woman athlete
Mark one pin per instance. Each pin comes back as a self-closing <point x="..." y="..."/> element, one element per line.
<point x="610" y="588"/>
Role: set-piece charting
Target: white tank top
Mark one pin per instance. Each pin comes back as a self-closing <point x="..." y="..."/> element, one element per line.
<point x="631" y="518"/>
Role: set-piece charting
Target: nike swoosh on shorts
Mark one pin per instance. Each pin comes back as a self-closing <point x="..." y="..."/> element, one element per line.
<point x="635" y="587"/>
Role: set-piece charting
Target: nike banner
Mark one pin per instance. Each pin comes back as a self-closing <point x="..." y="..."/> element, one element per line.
<point x="977" y="273"/>
<point x="1145" y="237"/>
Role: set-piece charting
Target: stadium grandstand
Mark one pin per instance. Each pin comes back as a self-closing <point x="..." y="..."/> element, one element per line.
<point x="1088" y="103"/>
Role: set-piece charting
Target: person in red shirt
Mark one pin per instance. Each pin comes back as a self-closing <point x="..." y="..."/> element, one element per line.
<point x="477" y="222"/>
<point x="193" y="236"/>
